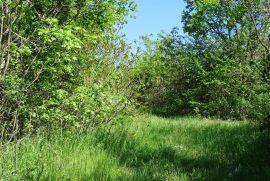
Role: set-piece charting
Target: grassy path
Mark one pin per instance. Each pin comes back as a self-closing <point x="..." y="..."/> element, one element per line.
<point x="148" y="148"/>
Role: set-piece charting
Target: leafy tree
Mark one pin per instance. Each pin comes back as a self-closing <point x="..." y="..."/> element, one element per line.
<point x="56" y="57"/>
<point x="220" y="68"/>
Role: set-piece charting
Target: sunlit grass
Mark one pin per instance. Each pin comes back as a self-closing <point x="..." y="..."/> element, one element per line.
<point x="147" y="148"/>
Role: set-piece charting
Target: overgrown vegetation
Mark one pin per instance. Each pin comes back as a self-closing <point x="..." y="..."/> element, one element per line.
<point x="147" y="148"/>
<point x="69" y="85"/>
<point x="58" y="64"/>
<point x="220" y="69"/>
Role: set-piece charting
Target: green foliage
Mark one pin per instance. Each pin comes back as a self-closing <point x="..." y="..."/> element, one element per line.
<point x="58" y="66"/>
<point x="146" y="148"/>
<point x="64" y="69"/>
<point x="219" y="69"/>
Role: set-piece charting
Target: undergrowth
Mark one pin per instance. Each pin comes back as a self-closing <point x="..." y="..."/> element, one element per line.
<point x="145" y="148"/>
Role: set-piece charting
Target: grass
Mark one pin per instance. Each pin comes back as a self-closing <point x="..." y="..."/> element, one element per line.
<point x="146" y="148"/>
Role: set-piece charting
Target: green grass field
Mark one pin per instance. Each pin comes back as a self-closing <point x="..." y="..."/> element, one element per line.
<point x="145" y="148"/>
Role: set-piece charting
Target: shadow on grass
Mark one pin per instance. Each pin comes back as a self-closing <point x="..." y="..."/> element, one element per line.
<point x="242" y="156"/>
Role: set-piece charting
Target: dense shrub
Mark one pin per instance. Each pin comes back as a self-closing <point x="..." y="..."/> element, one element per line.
<point x="211" y="73"/>
<point x="60" y="63"/>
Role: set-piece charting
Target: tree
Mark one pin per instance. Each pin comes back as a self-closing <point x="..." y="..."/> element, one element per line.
<point x="52" y="54"/>
<point x="220" y="68"/>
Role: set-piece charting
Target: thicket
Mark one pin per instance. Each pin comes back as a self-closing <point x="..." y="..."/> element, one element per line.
<point x="65" y="69"/>
<point x="220" y="67"/>
<point x="62" y="64"/>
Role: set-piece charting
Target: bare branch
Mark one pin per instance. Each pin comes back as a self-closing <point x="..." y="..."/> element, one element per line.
<point x="36" y="78"/>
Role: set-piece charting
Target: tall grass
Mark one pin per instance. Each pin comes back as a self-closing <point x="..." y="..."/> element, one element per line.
<point x="145" y="148"/>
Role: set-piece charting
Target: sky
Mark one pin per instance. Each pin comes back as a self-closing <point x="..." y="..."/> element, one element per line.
<point x="152" y="16"/>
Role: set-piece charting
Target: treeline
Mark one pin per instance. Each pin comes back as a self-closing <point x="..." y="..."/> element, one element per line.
<point x="220" y="68"/>
<point x="64" y="65"/>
